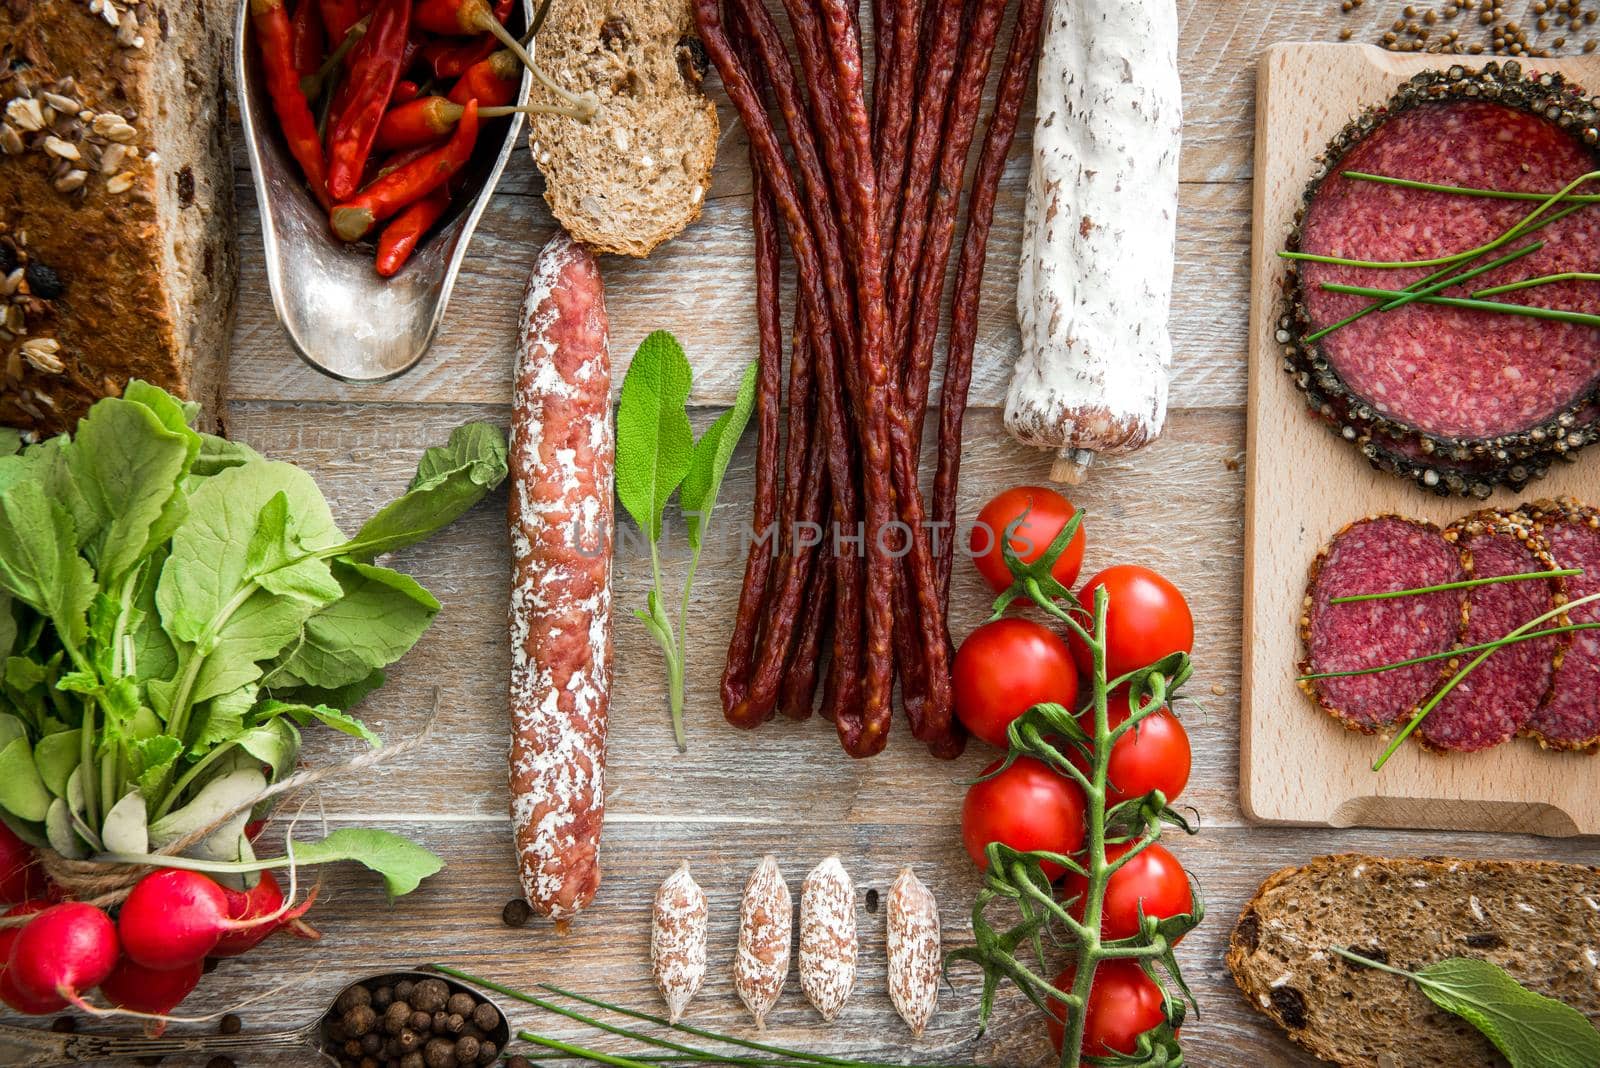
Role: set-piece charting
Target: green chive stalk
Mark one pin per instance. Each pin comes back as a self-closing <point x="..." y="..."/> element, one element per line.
<point x="1464" y="584"/>
<point x="1532" y="311"/>
<point x="1450" y="654"/>
<point x="1541" y="280"/>
<point x="1018" y="953"/>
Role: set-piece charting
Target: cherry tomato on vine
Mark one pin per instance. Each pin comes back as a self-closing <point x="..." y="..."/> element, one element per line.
<point x="1153" y="755"/>
<point x="1004" y="668"/>
<point x="1147" y="618"/>
<point x="1123" y="1004"/>
<point x="1028" y="806"/>
<point x="1153" y="880"/>
<point x="1047" y="512"/>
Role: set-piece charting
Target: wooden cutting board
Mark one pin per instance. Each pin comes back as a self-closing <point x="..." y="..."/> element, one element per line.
<point x="1303" y="484"/>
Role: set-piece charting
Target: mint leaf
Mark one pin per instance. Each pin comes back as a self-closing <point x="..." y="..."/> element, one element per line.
<point x="709" y="463"/>
<point x="128" y="464"/>
<point x="402" y="864"/>
<point x="1533" y="1031"/>
<point x="303" y="714"/>
<point x="654" y="439"/>
<point x="379" y="618"/>
<point x="450" y="479"/>
<point x="39" y="561"/>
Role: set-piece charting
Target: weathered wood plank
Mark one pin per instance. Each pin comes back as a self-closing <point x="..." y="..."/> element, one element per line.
<point x="1171" y="507"/>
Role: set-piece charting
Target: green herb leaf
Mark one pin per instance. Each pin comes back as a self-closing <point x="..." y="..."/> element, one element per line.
<point x="379" y="618"/>
<point x="153" y="759"/>
<point x="219" y="454"/>
<point x="8" y="627"/>
<point x="39" y="561"/>
<point x="709" y="463"/>
<point x="126" y="828"/>
<point x="275" y="743"/>
<point x="302" y="714"/>
<point x="450" y="479"/>
<point x="22" y="792"/>
<point x="1533" y="1031"/>
<point x="402" y="864"/>
<point x="56" y="756"/>
<point x="10" y="441"/>
<point x="220" y="796"/>
<point x="347" y="696"/>
<point x="654" y="439"/>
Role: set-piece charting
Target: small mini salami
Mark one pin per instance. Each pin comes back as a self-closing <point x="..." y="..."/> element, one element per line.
<point x="766" y="924"/>
<point x="560" y="613"/>
<point x="678" y="940"/>
<point x="828" y="937"/>
<point x="1500" y="696"/>
<point x="1569" y="718"/>
<point x="916" y="960"/>
<point x="1380" y="554"/>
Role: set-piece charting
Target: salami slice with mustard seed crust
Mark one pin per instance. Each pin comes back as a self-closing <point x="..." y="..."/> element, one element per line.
<point x="1496" y="699"/>
<point x="1569" y="717"/>
<point x="1458" y="400"/>
<point x="1380" y="554"/>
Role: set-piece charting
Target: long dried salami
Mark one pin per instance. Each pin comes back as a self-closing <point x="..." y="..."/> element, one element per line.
<point x="561" y="528"/>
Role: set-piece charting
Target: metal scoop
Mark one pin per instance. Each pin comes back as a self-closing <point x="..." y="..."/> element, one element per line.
<point x="341" y="317"/>
<point x="43" y="1049"/>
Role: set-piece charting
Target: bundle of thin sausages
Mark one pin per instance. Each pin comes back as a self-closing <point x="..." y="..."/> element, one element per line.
<point x="868" y="208"/>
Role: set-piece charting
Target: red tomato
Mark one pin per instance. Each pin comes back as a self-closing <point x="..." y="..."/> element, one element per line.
<point x="1146" y="619"/>
<point x="1123" y="1004"/>
<point x="1004" y="668"/>
<point x="1154" y="755"/>
<point x="1047" y="512"/>
<point x="1154" y="879"/>
<point x="1027" y="807"/>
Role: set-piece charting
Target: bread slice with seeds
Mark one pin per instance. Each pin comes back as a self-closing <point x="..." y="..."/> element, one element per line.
<point x="1540" y="921"/>
<point x="637" y="173"/>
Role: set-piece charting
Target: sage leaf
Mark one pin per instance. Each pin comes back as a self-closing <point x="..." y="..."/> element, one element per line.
<point x="402" y="864"/>
<point x="654" y="438"/>
<point x="126" y="828"/>
<point x="709" y="463"/>
<point x="1531" y="1030"/>
<point x="39" y="561"/>
<point x="22" y="792"/>
<point x="450" y="479"/>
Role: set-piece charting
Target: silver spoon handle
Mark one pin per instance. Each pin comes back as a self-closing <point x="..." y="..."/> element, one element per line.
<point x="21" y="1046"/>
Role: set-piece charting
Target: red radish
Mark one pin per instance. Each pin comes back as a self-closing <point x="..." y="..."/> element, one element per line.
<point x="8" y="992"/>
<point x="22" y="878"/>
<point x="139" y="989"/>
<point x="64" y="950"/>
<point x="174" y="918"/>
<point x="266" y="897"/>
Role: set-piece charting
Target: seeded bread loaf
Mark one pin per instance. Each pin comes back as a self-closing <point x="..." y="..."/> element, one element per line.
<point x="117" y="252"/>
<point x="1539" y="921"/>
<point x="637" y="173"/>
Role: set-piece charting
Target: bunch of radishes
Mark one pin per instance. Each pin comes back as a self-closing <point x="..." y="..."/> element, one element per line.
<point x="148" y="959"/>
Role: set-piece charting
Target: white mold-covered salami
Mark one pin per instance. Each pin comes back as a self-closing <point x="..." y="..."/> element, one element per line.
<point x="915" y="961"/>
<point x="828" y="937"/>
<point x="560" y="520"/>
<point x="1095" y="279"/>
<point x="678" y="940"/>
<point x="766" y="924"/>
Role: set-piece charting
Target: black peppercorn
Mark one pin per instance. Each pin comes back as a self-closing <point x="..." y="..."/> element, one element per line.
<point x="516" y="913"/>
<point x="382" y="997"/>
<point x="422" y="1021"/>
<point x="413" y="1060"/>
<point x="430" y="995"/>
<point x="461" y="1004"/>
<point x="439" y="1053"/>
<point x="487" y="1052"/>
<point x="371" y="1043"/>
<point x="230" y="1024"/>
<point x="466" y="1049"/>
<point x="351" y="997"/>
<point x="396" y="1016"/>
<point x="409" y="1040"/>
<point x="359" y="1020"/>
<point x="402" y="989"/>
<point x="453" y="1023"/>
<point x="486" y="1016"/>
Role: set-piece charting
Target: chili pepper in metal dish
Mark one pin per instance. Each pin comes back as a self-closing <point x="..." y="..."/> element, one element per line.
<point x="338" y="16"/>
<point x="491" y="81"/>
<point x="274" y="37"/>
<point x="305" y="37"/>
<point x="430" y="118"/>
<point x="312" y="85"/>
<point x="374" y="68"/>
<point x="386" y="197"/>
<point x="462" y="18"/>
<point x="405" y="91"/>
<point x="448" y="57"/>
<point x="399" y="239"/>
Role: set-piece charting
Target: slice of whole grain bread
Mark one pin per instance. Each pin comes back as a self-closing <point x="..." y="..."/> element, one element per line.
<point x="1539" y="921"/>
<point x="637" y="173"/>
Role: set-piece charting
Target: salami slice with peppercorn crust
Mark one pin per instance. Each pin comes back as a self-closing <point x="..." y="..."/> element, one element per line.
<point x="1380" y="554"/>
<point x="1098" y="237"/>
<point x="561" y="528"/>
<point x="1569" y="717"/>
<point x="1459" y="398"/>
<point x="1498" y="697"/>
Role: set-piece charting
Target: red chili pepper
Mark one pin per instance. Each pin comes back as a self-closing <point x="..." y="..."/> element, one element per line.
<point x="426" y="119"/>
<point x="305" y="37"/>
<point x="338" y="16"/>
<point x="400" y="237"/>
<point x="454" y="18"/>
<point x="450" y="57"/>
<point x="274" y="36"/>
<point x="355" y="218"/>
<point x="374" y="68"/>
<point x="405" y="91"/>
<point x="491" y="82"/>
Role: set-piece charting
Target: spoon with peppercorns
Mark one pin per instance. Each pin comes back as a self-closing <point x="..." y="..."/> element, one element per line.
<point x="409" y="1019"/>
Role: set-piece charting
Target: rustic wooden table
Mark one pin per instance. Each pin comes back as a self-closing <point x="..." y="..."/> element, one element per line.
<point x="785" y="789"/>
